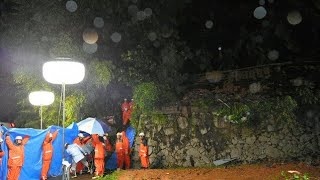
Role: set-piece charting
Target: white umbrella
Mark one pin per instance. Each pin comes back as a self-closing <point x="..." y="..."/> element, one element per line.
<point x="92" y="126"/>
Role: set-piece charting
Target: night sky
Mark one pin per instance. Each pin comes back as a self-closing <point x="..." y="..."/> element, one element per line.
<point x="218" y="35"/>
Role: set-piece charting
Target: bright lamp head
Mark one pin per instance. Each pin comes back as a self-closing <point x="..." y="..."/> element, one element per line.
<point x="63" y="72"/>
<point x="41" y="98"/>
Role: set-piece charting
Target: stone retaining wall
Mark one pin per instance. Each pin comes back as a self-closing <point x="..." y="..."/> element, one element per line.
<point x="191" y="138"/>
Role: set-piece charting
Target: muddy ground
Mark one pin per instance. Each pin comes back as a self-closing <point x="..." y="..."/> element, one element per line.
<point x="260" y="171"/>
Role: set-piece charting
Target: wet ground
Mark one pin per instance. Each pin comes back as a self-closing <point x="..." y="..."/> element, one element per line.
<point x="246" y="172"/>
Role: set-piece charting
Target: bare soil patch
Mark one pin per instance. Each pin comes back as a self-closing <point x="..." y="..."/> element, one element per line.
<point x="247" y="172"/>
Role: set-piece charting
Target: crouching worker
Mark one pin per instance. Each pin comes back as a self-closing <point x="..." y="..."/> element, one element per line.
<point x="16" y="156"/>
<point x="47" y="151"/>
<point x="78" y="155"/>
<point x="143" y="151"/>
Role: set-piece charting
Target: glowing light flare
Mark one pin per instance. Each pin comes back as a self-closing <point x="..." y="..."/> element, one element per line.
<point x="148" y="12"/>
<point x="89" y="48"/>
<point x="273" y="55"/>
<point x="98" y="22"/>
<point x="90" y="36"/>
<point x="63" y="72"/>
<point x="255" y="88"/>
<point x="294" y="17"/>
<point x="260" y="12"/>
<point x="214" y="76"/>
<point x="209" y="24"/>
<point x="71" y="6"/>
<point x="152" y="36"/>
<point x="41" y="98"/>
<point x="116" y="37"/>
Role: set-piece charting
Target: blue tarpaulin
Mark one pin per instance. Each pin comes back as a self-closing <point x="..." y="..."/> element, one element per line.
<point x="31" y="168"/>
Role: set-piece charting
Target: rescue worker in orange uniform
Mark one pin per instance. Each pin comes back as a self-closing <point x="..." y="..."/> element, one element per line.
<point x="109" y="148"/>
<point x="126" y="114"/>
<point x="99" y="154"/>
<point x="1" y="151"/>
<point x="131" y="103"/>
<point x="16" y="156"/>
<point x="127" y="150"/>
<point x="47" y="151"/>
<point x="81" y="141"/>
<point x="143" y="151"/>
<point x="119" y="151"/>
<point x="125" y="104"/>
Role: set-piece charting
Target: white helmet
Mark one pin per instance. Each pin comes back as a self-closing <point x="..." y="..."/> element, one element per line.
<point x="141" y="134"/>
<point x="80" y="135"/>
<point x="119" y="134"/>
<point x="18" y="138"/>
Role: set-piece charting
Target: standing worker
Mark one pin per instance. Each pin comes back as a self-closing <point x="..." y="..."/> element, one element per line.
<point x="119" y="151"/>
<point x="47" y="151"/>
<point x="143" y="151"/>
<point x="16" y="156"/>
<point x="109" y="148"/>
<point x="125" y="104"/>
<point x="126" y="149"/>
<point x="99" y="154"/>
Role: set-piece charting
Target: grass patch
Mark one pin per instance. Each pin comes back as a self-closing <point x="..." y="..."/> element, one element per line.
<point x="113" y="176"/>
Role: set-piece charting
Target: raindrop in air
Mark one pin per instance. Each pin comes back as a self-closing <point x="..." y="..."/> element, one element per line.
<point x="98" y="22"/>
<point x="262" y="2"/>
<point x="297" y="82"/>
<point x="258" y="39"/>
<point x="132" y="10"/>
<point x="209" y="24"/>
<point x="90" y="36"/>
<point x="89" y="48"/>
<point x="44" y="39"/>
<point x="273" y="55"/>
<point x="148" y="12"/>
<point x="141" y="15"/>
<point x="260" y="12"/>
<point x="166" y="32"/>
<point x="152" y="36"/>
<point x="156" y="44"/>
<point x="254" y="88"/>
<point x="71" y="6"/>
<point x="116" y="37"/>
<point x="294" y="17"/>
<point x="214" y="76"/>
<point x="219" y="48"/>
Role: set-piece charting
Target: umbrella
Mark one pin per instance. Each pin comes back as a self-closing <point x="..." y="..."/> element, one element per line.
<point x="93" y="126"/>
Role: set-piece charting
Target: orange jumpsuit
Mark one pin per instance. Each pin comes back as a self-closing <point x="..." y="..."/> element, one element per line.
<point x="120" y="153"/>
<point x="99" y="152"/>
<point x="126" y="117"/>
<point x="143" y="153"/>
<point x="47" y="151"/>
<point x="125" y="105"/>
<point x="126" y="148"/>
<point x="80" y="143"/>
<point x="1" y="153"/>
<point x="16" y="158"/>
